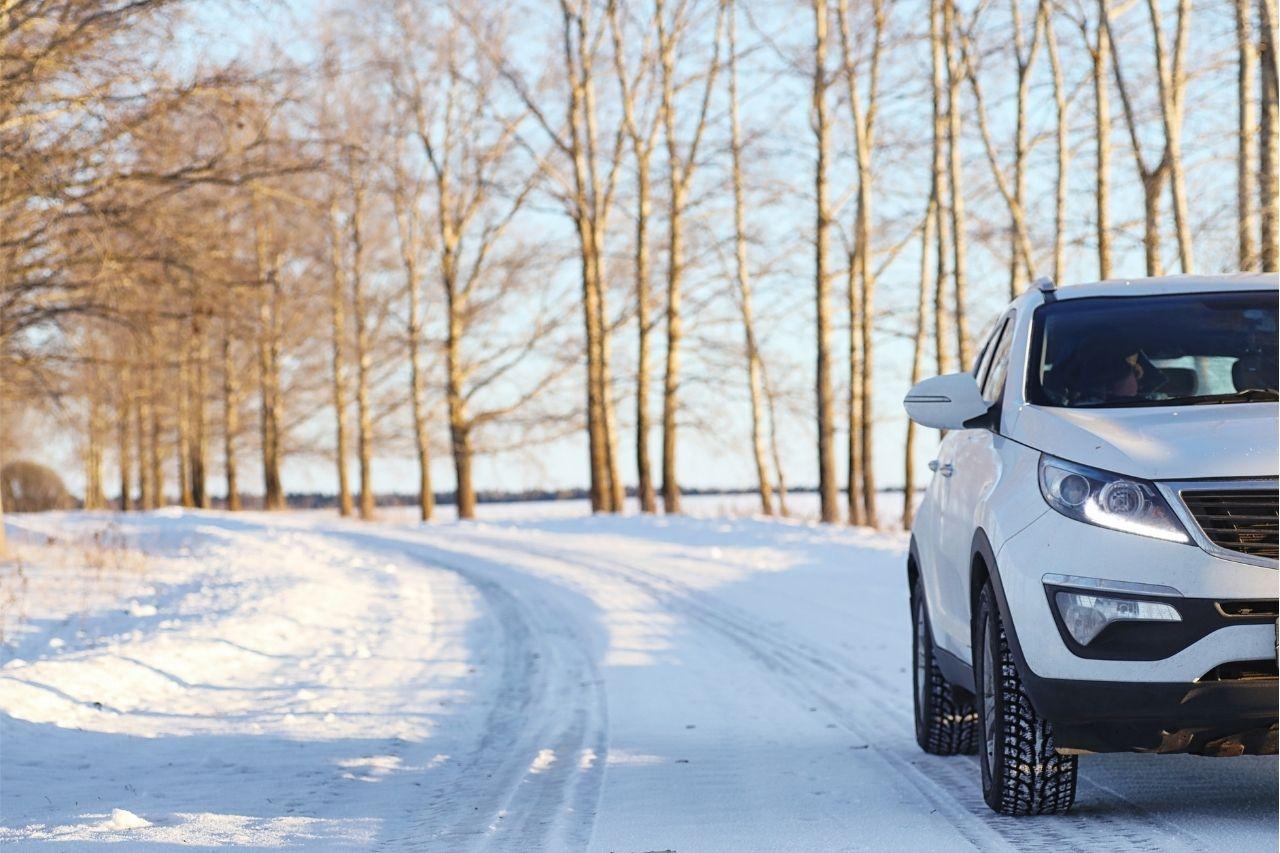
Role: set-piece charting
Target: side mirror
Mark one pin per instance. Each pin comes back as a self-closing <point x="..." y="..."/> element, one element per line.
<point x="946" y="402"/>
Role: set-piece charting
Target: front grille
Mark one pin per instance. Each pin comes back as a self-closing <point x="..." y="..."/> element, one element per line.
<point x="1241" y="520"/>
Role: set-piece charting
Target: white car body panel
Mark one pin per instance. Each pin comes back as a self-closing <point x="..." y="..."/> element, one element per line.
<point x="1165" y="443"/>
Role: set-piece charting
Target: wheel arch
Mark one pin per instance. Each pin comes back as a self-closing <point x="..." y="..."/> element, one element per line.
<point x="913" y="564"/>
<point x="983" y="567"/>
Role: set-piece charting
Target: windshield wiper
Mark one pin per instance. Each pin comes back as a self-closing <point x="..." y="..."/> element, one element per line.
<point x="1248" y="395"/>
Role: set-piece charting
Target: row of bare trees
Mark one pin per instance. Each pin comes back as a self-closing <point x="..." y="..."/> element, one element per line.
<point x="386" y="251"/>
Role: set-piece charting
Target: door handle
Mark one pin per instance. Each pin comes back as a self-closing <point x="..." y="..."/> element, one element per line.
<point x="946" y="469"/>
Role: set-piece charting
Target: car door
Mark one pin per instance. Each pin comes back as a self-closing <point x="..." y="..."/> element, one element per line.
<point x="931" y="515"/>
<point x="970" y="468"/>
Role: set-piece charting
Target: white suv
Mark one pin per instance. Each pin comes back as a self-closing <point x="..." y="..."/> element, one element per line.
<point x="1093" y="567"/>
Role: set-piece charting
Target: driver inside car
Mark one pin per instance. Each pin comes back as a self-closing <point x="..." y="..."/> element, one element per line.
<point x="1108" y="374"/>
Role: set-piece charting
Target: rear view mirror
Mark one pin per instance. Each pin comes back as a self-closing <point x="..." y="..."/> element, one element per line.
<point x="945" y="402"/>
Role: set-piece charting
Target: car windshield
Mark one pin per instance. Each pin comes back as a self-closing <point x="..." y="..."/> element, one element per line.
<point x="1179" y="349"/>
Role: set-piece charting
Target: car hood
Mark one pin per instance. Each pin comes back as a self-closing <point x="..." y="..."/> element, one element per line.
<point x="1160" y="443"/>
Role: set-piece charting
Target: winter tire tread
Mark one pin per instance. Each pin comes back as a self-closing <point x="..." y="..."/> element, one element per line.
<point x="1029" y="776"/>
<point x="946" y="724"/>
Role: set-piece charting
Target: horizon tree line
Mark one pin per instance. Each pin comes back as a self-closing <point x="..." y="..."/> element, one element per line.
<point x="446" y="230"/>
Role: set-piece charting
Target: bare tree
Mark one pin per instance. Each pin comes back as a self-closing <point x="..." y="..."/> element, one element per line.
<point x="230" y="415"/>
<point x="468" y="150"/>
<point x="1269" y="136"/>
<point x="819" y="122"/>
<point x="862" y="359"/>
<point x="357" y="166"/>
<point x="409" y="230"/>
<point x="1172" y="84"/>
<point x="338" y="339"/>
<point x="587" y="195"/>
<point x="643" y="135"/>
<point x="1171" y="80"/>
<point x="754" y="366"/>
<point x="682" y="162"/>
<point x="123" y="453"/>
<point x="1013" y="192"/>
<point x="938" y="184"/>
<point x="1247" y="131"/>
<point x="955" y="179"/>
<point x="269" y="297"/>
<point x="917" y="357"/>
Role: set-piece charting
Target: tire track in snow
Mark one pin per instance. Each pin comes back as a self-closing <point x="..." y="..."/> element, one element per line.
<point x="950" y="785"/>
<point x="532" y="780"/>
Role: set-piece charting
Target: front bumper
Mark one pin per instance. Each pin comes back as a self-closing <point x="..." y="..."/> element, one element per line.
<point x="1151" y="700"/>
<point x="1054" y="544"/>
<point x="1213" y="718"/>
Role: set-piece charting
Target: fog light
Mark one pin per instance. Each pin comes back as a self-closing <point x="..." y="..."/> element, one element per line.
<point x="1086" y="615"/>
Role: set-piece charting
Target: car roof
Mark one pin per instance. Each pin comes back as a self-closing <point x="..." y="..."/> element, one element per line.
<point x="1160" y="285"/>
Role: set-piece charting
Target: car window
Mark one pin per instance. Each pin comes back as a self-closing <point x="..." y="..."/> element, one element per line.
<point x="980" y="363"/>
<point x="993" y="381"/>
<point x="1161" y="350"/>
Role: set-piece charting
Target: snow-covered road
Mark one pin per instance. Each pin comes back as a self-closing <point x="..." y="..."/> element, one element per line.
<point x="541" y="681"/>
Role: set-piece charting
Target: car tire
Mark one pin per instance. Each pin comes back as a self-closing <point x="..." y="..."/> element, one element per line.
<point x="945" y="723"/>
<point x="1022" y="773"/>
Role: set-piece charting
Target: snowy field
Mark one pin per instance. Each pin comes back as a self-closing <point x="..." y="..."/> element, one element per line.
<point x="539" y="680"/>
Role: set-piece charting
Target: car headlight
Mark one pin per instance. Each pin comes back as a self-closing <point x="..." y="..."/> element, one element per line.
<point x="1108" y="500"/>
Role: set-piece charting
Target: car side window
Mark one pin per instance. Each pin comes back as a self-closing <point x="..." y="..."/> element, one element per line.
<point x="984" y="354"/>
<point x="993" y="381"/>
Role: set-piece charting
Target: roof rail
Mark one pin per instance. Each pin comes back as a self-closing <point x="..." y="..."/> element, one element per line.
<point x="1045" y="285"/>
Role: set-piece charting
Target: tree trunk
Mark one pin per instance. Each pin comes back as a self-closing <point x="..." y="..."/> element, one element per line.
<point x="1269" y="139"/>
<point x="644" y="470"/>
<point x="856" y="391"/>
<point x="827" y="487"/>
<point x="938" y="189"/>
<point x="268" y="375"/>
<point x="123" y="419"/>
<point x="1247" y="133"/>
<point x="182" y="426"/>
<point x="93" y="493"/>
<point x="407" y="224"/>
<point x="642" y="150"/>
<point x="417" y="391"/>
<point x="1172" y="86"/>
<point x="459" y="419"/>
<point x="230" y="420"/>
<point x="595" y="410"/>
<point x="917" y="362"/>
<point x="675" y="268"/>
<point x="616" y="490"/>
<point x="199" y="430"/>
<point x="853" y="484"/>
<point x="584" y="211"/>
<point x="959" y="240"/>
<point x="155" y="472"/>
<point x="774" y="448"/>
<point x="364" y="420"/>
<point x="142" y="416"/>
<point x="864" y="136"/>
<point x="1063" y="151"/>
<point x="1152" y="187"/>
<point x="867" y="417"/>
<point x="763" y="484"/>
<point x="1100" y="54"/>
<point x="671" y="375"/>
<point x="338" y="358"/>
<point x="1025" y="66"/>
